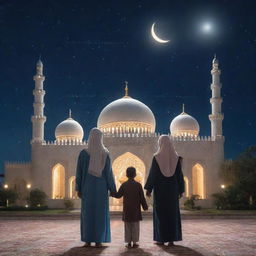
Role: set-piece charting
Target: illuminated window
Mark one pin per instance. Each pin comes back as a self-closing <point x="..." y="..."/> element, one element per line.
<point x="198" y="181"/>
<point x="186" y="186"/>
<point x="72" y="186"/>
<point x="58" y="182"/>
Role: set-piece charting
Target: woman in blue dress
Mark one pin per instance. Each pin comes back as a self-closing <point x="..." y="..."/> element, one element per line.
<point x="166" y="180"/>
<point x="94" y="180"/>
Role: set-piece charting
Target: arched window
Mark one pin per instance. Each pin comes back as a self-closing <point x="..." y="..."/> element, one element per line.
<point x="198" y="181"/>
<point x="72" y="187"/>
<point x="58" y="182"/>
<point x="186" y="186"/>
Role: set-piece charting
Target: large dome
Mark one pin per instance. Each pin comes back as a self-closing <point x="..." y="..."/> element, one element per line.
<point x="184" y="125"/>
<point x="126" y="115"/>
<point x="69" y="129"/>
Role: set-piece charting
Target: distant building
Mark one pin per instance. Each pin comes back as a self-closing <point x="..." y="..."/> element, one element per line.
<point x="129" y="134"/>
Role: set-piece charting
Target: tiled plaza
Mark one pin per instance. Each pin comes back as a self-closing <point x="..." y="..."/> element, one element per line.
<point x="201" y="237"/>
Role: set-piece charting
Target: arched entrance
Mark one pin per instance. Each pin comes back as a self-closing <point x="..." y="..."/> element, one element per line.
<point x="58" y="182"/>
<point x="72" y="186"/>
<point x="186" y="186"/>
<point x="198" y="181"/>
<point x="119" y="167"/>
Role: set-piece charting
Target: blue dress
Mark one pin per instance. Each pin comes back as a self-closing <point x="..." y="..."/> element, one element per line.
<point x="95" y="221"/>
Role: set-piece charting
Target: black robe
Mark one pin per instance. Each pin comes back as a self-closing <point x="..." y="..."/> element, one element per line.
<point x="166" y="211"/>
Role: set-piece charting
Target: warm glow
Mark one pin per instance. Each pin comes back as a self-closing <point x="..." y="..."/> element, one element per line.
<point x="26" y="206"/>
<point x="186" y="186"/>
<point x="58" y="182"/>
<point x="198" y="181"/>
<point x="127" y="127"/>
<point x="72" y="186"/>
<point x="185" y="133"/>
<point x="120" y="165"/>
<point x="5" y="186"/>
<point x="222" y="186"/>
<point x="28" y="186"/>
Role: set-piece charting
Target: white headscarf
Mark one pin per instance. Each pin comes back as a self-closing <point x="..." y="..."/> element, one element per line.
<point x="166" y="156"/>
<point x="97" y="151"/>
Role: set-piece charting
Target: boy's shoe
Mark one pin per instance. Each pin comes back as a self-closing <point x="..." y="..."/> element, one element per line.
<point x="170" y="244"/>
<point x="129" y="245"/>
<point x="98" y="245"/>
<point x="135" y="245"/>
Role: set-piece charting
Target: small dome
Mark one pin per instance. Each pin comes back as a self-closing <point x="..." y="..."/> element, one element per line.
<point x="184" y="125"/>
<point x="69" y="129"/>
<point x="126" y="115"/>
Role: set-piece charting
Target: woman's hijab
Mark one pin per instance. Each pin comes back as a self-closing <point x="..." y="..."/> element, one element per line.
<point x="166" y="156"/>
<point x="97" y="151"/>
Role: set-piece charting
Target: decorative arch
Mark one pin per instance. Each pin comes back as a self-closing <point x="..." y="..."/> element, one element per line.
<point x="72" y="187"/>
<point x="186" y="181"/>
<point x="58" y="181"/>
<point x="120" y="165"/>
<point x="198" y="181"/>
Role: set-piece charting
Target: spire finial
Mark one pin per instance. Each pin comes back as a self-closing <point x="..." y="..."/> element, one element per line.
<point x="126" y="89"/>
<point x="70" y="113"/>
<point x="183" y="108"/>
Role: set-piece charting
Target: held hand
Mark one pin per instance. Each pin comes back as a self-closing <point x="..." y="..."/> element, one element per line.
<point x="148" y="194"/>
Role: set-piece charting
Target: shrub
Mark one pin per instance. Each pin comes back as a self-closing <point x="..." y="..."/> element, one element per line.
<point x="234" y="197"/>
<point x="37" y="198"/>
<point x="189" y="204"/>
<point x="69" y="204"/>
<point x="8" y="194"/>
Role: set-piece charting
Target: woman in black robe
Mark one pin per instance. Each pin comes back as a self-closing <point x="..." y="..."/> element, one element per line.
<point x="166" y="180"/>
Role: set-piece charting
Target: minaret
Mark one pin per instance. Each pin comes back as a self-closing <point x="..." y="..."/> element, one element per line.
<point x="38" y="119"/>
<point x="216" y="116"/>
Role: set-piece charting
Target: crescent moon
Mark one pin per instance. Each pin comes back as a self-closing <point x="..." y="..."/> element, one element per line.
<point x="159" y="40"/>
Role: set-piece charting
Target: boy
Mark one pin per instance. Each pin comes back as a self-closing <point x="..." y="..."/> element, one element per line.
<point x="133" y="199"/>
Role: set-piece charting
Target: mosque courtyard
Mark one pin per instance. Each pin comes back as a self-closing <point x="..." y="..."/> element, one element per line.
<point x="201" y="237"/>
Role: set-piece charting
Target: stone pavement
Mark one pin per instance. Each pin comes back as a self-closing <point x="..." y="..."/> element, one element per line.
<point x="222" y="237"/>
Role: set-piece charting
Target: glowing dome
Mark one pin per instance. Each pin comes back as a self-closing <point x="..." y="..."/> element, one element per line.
<point x="184" y="125"/>
<point x="126" y="115"/>
<point x="69" y="129"/>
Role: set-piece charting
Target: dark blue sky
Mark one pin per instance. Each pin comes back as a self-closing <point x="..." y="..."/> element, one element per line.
<point x="89" y="48"/>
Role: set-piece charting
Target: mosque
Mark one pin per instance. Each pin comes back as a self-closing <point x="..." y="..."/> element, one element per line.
<point x="129" y="134"/>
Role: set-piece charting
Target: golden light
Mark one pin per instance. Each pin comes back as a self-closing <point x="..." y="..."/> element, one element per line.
<point x="222" y="186"/>
<point x="28" y="186"/>
<point x="26" y="205"/>
<point x="6" y="186"/>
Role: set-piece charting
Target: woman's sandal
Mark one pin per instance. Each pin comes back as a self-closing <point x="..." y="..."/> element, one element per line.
<point x="87" y="245"/>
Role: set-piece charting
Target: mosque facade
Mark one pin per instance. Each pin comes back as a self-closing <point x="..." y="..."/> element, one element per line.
<point x="129" y="132"/>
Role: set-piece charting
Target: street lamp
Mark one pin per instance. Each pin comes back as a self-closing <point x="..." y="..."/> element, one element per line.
<point x="6" y="186"/>
<point x="222" y="186"/>
<point x="28" y="186"/>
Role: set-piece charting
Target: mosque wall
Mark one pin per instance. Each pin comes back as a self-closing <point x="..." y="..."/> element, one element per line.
<point x="46" y="157"/>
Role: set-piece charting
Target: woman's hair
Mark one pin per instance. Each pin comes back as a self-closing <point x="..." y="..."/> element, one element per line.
<point x="131" y="172"/>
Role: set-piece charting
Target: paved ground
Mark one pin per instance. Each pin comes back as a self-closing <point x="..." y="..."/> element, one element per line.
<point x="61" y="237"/>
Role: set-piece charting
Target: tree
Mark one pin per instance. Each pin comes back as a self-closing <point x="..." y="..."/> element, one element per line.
<point x="240" y="177"/>
<point x="8" y="194"/>
<point x="37" y="198"/>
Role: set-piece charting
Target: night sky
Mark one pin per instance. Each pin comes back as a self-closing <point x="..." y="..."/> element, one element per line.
<point x="89" y="48"/>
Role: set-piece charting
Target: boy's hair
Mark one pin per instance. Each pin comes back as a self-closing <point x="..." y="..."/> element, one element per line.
<point x="131" y="172"/>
